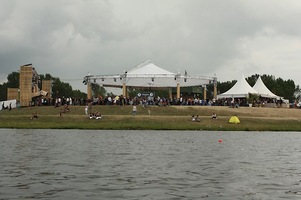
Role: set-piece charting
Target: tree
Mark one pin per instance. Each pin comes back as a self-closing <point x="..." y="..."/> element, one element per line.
<point x="224" y="86"/>
<point x="79" y="94"/>
<point x="285" y="89"/>
<point x="3" y="92"/>
<point x="298" y="92"/>
<point x="98" y="90"/>
<point x="61" y="89"/>
<point x="13" y="80"/>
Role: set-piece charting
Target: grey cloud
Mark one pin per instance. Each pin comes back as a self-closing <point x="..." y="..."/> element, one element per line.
<point x="70" y="38"/>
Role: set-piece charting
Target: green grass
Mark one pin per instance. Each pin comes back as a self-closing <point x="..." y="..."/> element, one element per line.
<point x="152" y="118"/>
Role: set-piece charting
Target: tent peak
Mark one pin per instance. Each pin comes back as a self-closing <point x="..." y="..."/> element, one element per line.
<point x="148" y="67"/>
<point x="263" y="90"/>
<point x="144" y="63"/>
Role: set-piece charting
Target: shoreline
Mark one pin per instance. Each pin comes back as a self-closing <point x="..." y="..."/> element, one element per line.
<point x="155" y="118"/>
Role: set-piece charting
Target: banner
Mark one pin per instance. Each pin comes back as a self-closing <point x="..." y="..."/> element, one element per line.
<point x="6" y="105"/>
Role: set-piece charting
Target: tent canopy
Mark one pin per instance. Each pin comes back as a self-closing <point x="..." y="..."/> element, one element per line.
<point x="263" y="90"/>
<point x="241" y="89"/>
<point x="148" y="75"/>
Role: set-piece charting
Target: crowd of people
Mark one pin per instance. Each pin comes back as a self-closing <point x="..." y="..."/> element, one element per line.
<point x="64" y="106"/>
<point x="64" y="103"/>
<point x="158" y="101"/>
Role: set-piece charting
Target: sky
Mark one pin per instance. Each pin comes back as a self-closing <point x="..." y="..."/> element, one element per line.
<point x="72" y="38"/>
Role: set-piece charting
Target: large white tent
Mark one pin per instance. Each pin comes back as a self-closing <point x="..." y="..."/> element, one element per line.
<point x="147" y="75"/>
<point x="241" y="89"/>
<point x="262" y="90"/>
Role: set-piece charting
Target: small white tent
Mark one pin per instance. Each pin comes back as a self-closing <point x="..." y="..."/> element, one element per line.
<point x="241" y="89"/>
<point x="262" y="90"/>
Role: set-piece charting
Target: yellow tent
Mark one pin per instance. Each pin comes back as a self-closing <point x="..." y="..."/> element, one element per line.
<point x="234" y="120"/>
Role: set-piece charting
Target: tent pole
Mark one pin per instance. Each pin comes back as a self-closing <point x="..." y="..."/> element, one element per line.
<point x="124" y="90"/>
<point x="178" y="90"/>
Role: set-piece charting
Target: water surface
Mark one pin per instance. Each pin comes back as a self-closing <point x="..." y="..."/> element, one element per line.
<point x="102" y="164"/>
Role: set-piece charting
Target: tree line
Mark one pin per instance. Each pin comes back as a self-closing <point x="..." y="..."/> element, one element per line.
<point x="284" y="88"/>
<point x="59" y="88"/>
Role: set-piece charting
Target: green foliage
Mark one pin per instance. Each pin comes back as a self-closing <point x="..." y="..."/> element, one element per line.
<point x="285" y="89"/>
<point x="252" y="98"/>
<point x="252" y="80"/>
<point x="13" y="80"/>
<point x="3" y="92"/>
<point x="59" y="88"/>
<point x="98" y="90"/>
<point x="78" y="94"/>
<point x="225" y="86"/>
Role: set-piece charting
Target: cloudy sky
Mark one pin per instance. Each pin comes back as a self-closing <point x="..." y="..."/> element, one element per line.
<point x="71" y="38"/>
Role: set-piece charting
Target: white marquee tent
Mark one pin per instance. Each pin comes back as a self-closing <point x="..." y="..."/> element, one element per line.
<point x="241" y="89"/>
<point x="262" y="90"/>
<point x="148" y="75"/>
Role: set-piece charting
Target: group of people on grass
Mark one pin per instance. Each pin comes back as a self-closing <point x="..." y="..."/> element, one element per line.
<point x="195" y="118"/>
<point x="95" y="115"/>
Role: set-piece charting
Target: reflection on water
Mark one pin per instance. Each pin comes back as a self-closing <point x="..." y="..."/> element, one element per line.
<point x="82" y="164"/>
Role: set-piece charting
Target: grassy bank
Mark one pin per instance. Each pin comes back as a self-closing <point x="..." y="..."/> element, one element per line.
<point x="155" y="118"/>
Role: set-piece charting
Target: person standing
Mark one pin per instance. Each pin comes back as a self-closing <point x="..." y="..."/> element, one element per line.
<point x="134" y="110"/>
<point x="86" y="110"/>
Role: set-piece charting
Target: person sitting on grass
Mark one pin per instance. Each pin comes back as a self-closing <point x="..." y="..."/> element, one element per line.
<point x="34" y="116"/>
<point x="97" y="115"/>
<point x="91" y="116"/>
<point x="197" y="119"/>
<point x="66" y="108"/>
<point x="193" y="118"/>
<point x="214" y="116"/>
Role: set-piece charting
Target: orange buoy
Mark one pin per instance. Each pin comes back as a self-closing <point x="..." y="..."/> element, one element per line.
<point x="220" y="141"/>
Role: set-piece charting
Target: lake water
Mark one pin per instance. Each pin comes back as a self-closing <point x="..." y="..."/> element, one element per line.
<point x="105" y="164"/>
